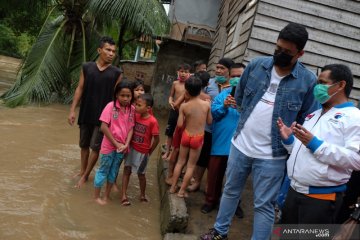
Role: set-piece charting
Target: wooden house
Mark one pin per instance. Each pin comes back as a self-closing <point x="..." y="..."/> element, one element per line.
<point x="249" y="28"/>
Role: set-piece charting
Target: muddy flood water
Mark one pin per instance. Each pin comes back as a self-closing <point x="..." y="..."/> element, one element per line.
<point x="39" y="155"/>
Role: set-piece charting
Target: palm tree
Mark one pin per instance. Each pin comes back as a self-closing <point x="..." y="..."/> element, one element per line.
<point x="69" y="37"/>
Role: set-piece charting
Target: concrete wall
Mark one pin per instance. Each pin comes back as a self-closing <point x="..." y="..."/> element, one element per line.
<point x="201" y="12"/>
<point x="171" y="54"/>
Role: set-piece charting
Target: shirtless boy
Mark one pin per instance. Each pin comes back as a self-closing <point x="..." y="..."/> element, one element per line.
<point x="177" y="89"/>
<point x="194" y="114"/>
<point x="204" y="77"/>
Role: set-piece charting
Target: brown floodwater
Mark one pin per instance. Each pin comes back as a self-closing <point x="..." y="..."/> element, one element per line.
<point x="39" y="155"/>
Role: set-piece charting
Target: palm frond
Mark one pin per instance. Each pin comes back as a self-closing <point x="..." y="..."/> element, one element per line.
<point x="44" y="67"/>
<point x="144" y="16"/>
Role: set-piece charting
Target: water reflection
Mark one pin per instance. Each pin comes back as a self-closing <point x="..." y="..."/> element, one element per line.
<point x="39" y="156"/>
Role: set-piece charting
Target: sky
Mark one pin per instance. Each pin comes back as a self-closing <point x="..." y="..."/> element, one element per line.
<point x="166" y="6"/>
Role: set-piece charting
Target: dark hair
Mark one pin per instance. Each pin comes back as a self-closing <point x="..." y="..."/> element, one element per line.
<point x="340" y="72"/>
<point x="148" y="98"/>
<point x="204" y="77"/>
<point x="193" y="86"/>
<point x="184" y="66"/>
<point x="238" y="65"/>
<point x="106" y="39"/>
<point x="197" y="63"/>
<point x="295" y="33"/>
<point x="138" y="82"/>
<point x="120" y="86"/>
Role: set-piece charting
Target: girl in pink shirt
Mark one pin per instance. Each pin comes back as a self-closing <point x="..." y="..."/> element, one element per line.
<point x="117" y="122"/>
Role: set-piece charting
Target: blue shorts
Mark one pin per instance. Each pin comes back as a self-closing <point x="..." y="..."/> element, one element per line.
<point x="108" y="169"/>
<point x="137" y="161"/>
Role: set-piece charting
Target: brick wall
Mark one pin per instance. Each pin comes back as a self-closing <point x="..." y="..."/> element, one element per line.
<point x="140" y="70"/>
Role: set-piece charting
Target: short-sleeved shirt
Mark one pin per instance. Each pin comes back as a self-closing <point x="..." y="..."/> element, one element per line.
<point x="120" y="123"/>
<point x="97" y="92"/>
<point x="144" y="130"/>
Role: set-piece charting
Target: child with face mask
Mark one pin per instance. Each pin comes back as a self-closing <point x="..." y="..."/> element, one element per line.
<point x="324" y="151"/>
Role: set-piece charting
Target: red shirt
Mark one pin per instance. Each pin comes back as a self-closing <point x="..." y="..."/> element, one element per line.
<point x="144" y="130"/>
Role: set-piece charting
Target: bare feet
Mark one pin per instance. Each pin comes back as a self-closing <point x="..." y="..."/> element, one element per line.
<point x="169" y="181"/>
<point x="100" y="201"/>
<point x="143" y="199"/>
<point x="172" y="189"/>
<point x="183" y="194"/>
<point x="81" y="182"/>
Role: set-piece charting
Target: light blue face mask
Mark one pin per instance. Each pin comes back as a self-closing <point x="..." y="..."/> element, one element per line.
<point x="234" y="81"/>
<point x="220" y="79"/>
<point x="321" y="92"/>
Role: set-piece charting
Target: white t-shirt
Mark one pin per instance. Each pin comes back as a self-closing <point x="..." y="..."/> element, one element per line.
<point x="254" y="139"/>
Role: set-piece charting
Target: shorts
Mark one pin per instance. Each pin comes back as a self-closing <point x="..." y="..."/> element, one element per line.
<point x="192" y="141"/>
<point x="137" y="161"/>
<point x="108" y="169"/>
<point x="172" y="122"/>
<point x="205" y="151"/>
<point x="90" y="136"/>
<point x="176" y="141"/>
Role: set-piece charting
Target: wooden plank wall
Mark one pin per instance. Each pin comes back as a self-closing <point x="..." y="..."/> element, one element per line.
<point x="220" y="36"/>
<point x="333" y="26"/>
<point x="227" y="27"/>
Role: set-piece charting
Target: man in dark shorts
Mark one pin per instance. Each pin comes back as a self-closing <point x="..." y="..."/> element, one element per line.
<point x="94" y="91"/>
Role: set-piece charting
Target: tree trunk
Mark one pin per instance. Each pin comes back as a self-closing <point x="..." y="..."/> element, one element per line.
<point x="120" y="44"/>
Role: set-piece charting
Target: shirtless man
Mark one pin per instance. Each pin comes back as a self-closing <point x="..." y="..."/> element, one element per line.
<point x="177" y="89"/>
<point x="194" y="114"/>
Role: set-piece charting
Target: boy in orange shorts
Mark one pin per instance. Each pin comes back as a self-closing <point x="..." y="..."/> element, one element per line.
<point x="194" y="114"/>
<point x="204" y="77"/>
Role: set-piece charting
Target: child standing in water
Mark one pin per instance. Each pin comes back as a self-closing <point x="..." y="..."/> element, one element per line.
<point x="117" y="122"/>
<point x="194" y="114"/>
<point x="144" y="141"/>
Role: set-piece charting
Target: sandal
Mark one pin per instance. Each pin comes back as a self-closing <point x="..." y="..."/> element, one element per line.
<point x="144" y="199"/>
<point x="125" y="202"/>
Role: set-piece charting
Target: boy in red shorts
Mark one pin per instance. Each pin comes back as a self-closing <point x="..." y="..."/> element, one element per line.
<point x="194" y="114"/>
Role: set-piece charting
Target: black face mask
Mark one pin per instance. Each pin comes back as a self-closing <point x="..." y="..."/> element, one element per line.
<point x="282" y="59"/>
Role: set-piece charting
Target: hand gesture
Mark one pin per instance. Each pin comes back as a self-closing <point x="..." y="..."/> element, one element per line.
<point x="285" y="131"/>
<point x="71" y="118"/>
<point x="302" y="134"/>
<point x="172" y="104"/>
<point x="121" y="147"/>
<point x="229" y="101"/>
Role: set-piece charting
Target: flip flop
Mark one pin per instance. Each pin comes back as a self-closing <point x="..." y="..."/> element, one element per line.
<point x="125" y="202"/>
